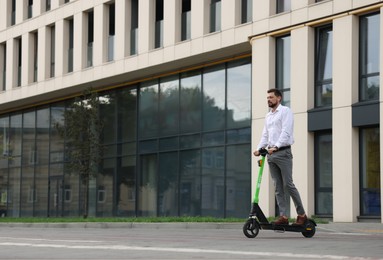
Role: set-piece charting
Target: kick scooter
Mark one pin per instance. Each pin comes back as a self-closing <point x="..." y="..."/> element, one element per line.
<point x="257" y="219"/>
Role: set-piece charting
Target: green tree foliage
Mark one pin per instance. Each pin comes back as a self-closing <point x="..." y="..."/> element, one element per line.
<point x="81" y="130"/>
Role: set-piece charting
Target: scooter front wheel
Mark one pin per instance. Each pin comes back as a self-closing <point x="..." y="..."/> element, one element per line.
<point x="251" y="228"/>
<point x="309" y="229"/>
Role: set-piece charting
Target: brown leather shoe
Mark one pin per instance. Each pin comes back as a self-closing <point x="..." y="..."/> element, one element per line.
<point x="301" y="220"/>
<point x="282" y="220"/>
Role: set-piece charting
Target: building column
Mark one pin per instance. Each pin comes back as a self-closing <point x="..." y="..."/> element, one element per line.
<point x="172" y="22"/>
<point x="59" y="48"/>
<point x="232" y="14"/>
<point x="99" y="44"/>
<point x="79" y="41"/>
<point x="5" y="14"/>
<point x="37" y="8"/>
<point x="43" y="64"/>
<point x="146" y="18"/>
<point x="263" y="75"/>
<point x="302" y="99"/>
<point x="345" y="137"/>
<point x="122" y="29"/>
<point x="199" y="18"/>
<point x="26" y="49"/>
<point x="11" y="64"/>
<point x="262" y="10"/>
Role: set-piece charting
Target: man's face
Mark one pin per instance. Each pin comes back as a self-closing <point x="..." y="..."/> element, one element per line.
<point x="273" y="100"/>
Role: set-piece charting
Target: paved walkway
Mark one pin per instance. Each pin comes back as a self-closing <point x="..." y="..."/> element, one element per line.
<point x="350" y="228"/>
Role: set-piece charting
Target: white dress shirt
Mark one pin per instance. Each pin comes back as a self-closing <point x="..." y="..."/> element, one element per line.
<point x="278" y="128"/>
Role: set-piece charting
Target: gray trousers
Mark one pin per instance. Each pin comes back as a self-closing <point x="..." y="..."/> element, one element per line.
<point x="281" y="165"/>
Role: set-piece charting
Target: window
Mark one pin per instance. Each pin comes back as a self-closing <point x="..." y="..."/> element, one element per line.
<point x="246" y="11"/>
<point x="101" y="194"/>
<point x="283" y="6"/>
<point x="47" y="5"/>
<point x="159" y="25"/>
<point x="134" y="27"/>
<point x="215" y="15"/>
<point x="34" y="55"/>
<point x="30" y="8"/>
<point x="370" y="172"/>
<point x="369" y="44"/>
<point x="3" y="65"/>
<point x="19" y="60"/>
<point x="111" y="32"/>
<point x="70" y="45"/>
<point x="186" y="20"/>
<point x="283" y="66"/>
<point x="323" y="174"/>
<point x="89" y="60"/>
<point x="323" y="66"/>
<point x="52" y="51"/>
<point x="13" y="12"/>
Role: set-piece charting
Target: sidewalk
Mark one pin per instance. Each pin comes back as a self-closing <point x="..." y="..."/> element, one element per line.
<point x="350" y="228"/>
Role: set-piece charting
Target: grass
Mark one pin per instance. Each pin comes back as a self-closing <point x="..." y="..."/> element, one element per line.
<point x="135" y="220"/>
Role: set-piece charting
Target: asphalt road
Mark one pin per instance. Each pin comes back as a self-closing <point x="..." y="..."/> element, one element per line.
<point x="161" y="241"/>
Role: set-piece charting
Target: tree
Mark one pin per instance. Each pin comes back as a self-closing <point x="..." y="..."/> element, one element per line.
<point x="81" y="130"/>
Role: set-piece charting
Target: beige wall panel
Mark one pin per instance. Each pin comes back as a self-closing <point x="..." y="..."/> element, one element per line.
<point x="170" y="18"/>
<point x="197" y="18"/>
<point x="212" y="42"/>
<point x="302" y="93"/>
<point x="302" y="69"/>
<point x="156" y="57"/>
<point x="182" y="50"/>
<point x="263" y="61"/>
<point x="341" y="5"/>
<point x="299" y="16"/>
<point x="229" y="11"/>
<point x="319" y="10"/>
<point x="280" y="21"/>
<point x="242" y="32"/>
<point x="345" y="137"/>
<point x="345" y="167"/>
<point x="359" y="3"/>
<point x="227" y="38"/>
<point x="122" y="30"/>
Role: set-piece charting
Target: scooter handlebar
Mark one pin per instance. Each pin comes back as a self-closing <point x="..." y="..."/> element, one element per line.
<point x="263" y="151"/>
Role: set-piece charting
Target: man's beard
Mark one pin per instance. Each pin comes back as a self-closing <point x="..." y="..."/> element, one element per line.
<point x="272" y="105"/>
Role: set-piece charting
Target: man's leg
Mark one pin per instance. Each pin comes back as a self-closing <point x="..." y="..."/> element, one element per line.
<point x="275" y="173"/>
<point x="285" y="163"/>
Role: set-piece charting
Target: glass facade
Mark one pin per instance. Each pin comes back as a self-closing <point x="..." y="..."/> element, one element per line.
<point x="323" y="174"/>
<point x="176" y="145"/>
<point x="215" y="15"/>
<point x="323" y="66"/>
<point x="186" y="20"/>
<point x="369" y="53"/>
<point x="370" y="198"/>
<point x="283" y="6"/>
<point x="283" y="67"/>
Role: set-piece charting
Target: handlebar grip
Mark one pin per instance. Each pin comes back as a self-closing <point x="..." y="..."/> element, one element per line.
<point x="263" y="151"/>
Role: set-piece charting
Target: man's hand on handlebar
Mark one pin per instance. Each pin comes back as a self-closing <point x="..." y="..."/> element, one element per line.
<point x="262" y="151"/>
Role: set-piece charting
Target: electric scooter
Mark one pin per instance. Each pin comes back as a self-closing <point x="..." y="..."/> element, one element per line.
<point x="257" y="219"/>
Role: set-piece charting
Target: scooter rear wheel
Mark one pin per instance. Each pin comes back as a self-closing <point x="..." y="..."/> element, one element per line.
<point x="251" y="228"/>
<point x="309" y="230"/>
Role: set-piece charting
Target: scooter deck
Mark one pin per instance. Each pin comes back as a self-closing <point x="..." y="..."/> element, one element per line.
<point x="283" y="228"/>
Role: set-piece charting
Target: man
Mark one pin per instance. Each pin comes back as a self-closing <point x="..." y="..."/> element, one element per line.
<point x="277" y="138"/>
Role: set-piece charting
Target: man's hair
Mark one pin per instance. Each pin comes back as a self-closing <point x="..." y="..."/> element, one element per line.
<point x="276" y="92"/>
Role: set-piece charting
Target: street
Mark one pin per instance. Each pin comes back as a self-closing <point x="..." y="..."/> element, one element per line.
<point x="167" y="241"/>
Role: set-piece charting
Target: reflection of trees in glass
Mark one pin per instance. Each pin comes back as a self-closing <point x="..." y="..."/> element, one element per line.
<point x="82" y="130"/>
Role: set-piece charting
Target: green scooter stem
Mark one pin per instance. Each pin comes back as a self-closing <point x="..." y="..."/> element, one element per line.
<point x="261" y="164"/>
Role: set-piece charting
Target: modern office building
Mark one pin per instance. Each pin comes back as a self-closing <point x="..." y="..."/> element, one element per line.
<point x="183" y="84"/>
